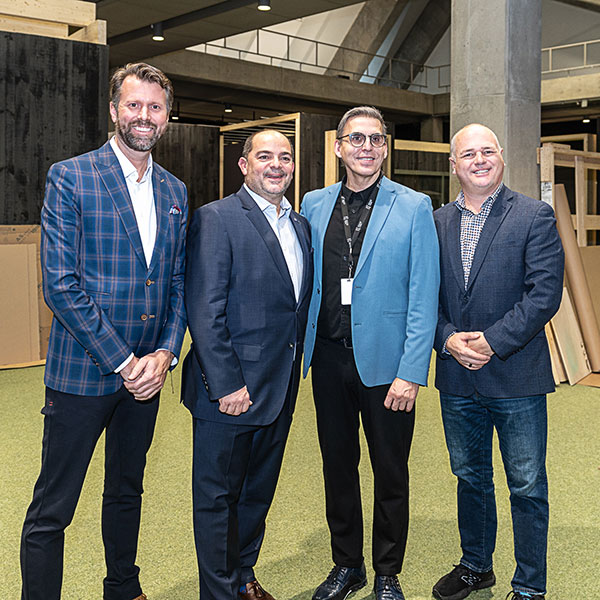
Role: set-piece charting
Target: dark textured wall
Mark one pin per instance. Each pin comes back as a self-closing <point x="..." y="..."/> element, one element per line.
<point x="312" y="150"/>
<point x="53" y="105"/>
<point x="191" y="153"/>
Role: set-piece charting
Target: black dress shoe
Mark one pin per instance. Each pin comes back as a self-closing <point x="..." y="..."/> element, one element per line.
<point x="387" y="587"/>
<point x="341" y="582"/>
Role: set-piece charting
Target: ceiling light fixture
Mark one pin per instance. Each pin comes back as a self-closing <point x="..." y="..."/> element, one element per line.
<point x="264" y="5"/>
<point x="157" y="32"/>
<point x="228" y="108"/>
<point x="586" y="121"/>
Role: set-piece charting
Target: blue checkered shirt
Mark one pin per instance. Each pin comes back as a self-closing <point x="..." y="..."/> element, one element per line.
<point x="471" y="225"/>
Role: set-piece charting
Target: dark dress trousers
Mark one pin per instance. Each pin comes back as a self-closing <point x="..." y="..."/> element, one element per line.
<point x="247" y="330"/>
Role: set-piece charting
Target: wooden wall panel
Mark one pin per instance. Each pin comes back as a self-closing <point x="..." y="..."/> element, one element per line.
<point x="312" y="150"/>
<point x="53" y="105"/>
<point x="191" y="153"/>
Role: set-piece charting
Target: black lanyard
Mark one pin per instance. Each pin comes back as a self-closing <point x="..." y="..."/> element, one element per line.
<point x="362" y="218"/>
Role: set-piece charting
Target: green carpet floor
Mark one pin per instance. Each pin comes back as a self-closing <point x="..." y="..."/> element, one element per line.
<point x="296" y="554"/>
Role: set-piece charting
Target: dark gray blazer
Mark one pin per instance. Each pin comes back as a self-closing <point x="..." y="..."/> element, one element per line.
<point x="515" y="287"/>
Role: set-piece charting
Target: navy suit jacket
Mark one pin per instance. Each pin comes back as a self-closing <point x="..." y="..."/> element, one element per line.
<point x="515" y="287"/>
<point x="106" y="301"/>
<point x="246" y="326"/>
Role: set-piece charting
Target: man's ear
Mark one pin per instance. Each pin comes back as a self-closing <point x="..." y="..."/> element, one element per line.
<point x="243" y="165"/>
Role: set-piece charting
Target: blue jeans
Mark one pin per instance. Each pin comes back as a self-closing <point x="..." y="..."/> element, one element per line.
<point x="521" y="424"/>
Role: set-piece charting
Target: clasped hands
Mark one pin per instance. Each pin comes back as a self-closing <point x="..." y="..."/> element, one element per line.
<point x="470" y="349"/>
<point x="144" y="377"/>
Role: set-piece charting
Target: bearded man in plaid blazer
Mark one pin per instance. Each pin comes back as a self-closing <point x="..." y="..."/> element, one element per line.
<point x="113" y="247"/>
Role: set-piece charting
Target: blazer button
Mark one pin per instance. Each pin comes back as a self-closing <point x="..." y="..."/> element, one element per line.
<point x="144" y="317"/>
<point x="291" y="345"/>
<point x="149" y="282"/>
<point x="318" y="291"/>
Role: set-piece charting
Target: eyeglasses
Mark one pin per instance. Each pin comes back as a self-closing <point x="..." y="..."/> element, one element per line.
<point x="358" y="139"/>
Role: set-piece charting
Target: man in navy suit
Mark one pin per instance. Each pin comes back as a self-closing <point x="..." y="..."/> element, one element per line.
<point x="248" y="282"/>
<point x="502" y="272"/>
<point x="370" y="331"/>
<point x="113" y="251"/>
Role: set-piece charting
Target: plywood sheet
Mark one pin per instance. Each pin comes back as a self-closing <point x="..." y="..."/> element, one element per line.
<point x="558" y="368"/>
<point x="590" y="256"/>
<point x="569" y="341"/>
<point x="19" y="324"/>
<point x="582" y="299"/>
<point x="592" y="380"/>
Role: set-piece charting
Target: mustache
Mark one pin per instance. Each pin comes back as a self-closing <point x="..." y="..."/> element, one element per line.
<point x="141" y="123"/>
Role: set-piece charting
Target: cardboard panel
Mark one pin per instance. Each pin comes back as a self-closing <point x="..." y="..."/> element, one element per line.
<point x="30" y="234"/>
<point x="19" y="324"/>
<point x="569" y="340"/>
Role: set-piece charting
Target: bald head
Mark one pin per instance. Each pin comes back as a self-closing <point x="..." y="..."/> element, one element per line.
<point x="476" y="158"/>
<point x="465" y="130"/>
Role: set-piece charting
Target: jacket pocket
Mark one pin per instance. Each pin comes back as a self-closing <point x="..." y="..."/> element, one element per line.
<point x="248" y="352"/>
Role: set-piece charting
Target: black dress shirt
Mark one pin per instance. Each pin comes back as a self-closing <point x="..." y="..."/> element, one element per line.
<point x="334" y="319"/>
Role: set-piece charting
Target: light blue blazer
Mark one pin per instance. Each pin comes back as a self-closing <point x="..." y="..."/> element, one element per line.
<point x="396" y="284"/>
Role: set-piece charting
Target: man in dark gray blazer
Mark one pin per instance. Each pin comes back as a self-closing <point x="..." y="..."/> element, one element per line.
<point x="501" y="282"/>
<point x="247" y="288"/>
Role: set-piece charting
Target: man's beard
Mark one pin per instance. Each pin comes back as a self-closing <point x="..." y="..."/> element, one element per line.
<point x="131" y="140"/>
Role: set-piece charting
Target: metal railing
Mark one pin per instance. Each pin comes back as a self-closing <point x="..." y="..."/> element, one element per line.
<point x="571" y="57"/>
<point x="312" y="56"/>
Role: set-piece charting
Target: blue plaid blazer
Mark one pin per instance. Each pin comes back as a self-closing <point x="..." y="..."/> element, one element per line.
<point x="106" y="302"/>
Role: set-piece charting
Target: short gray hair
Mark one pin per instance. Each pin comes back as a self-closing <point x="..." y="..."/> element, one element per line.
<point x="360" y="111"/>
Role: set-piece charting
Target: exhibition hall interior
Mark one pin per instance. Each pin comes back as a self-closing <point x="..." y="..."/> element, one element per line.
<point x="527" y="69"/>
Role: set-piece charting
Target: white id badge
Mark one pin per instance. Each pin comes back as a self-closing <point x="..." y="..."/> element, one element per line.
<point x="346" y="285"/>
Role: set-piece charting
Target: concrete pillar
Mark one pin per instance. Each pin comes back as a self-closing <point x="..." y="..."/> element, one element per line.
<point x="432" y="129"/>
<point x="496" y="79"/>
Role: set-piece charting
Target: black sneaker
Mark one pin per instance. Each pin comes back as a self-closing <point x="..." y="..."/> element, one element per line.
<point x="387" y="587"/>
<point x="341" y="582"/>
<point x="524" y="596"/>
<point x="460" y="582"/>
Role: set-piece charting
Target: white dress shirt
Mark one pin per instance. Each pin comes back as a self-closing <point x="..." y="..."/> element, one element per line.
<point x="142" y="199"/>
<point x="286" y="234"/>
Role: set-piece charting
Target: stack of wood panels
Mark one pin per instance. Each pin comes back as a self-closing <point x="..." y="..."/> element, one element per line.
<point x="573" y="333"/>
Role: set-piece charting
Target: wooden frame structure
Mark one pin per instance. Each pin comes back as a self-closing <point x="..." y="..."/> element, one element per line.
<point x="552" y="155"/>
<point x="53" y="18"/>
<point x="332" y="163"/>
<point x="289" y="125"/>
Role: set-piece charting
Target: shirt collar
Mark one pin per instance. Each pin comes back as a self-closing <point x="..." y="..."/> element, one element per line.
<point x="265" y="205"/>
<point x="460" y="199"/>
<point x="126" y="166"/>
<point x="362" y="196"/>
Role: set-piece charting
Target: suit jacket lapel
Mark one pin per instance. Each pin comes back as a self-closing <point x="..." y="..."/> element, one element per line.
<point x="303" y="240"/>
<point x="383" y="204"/>
<point x="111" y="174"/>
<point x="492" y="223"/>
<point x="161" y="205"/>
<point x="327" y="205"/>
<point x="264" y="229"/>
<point x="454" y="253"/>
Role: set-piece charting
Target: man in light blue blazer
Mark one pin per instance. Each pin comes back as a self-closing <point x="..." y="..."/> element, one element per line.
<point x="113" y="252"/>
<point x="369" y="336"/>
